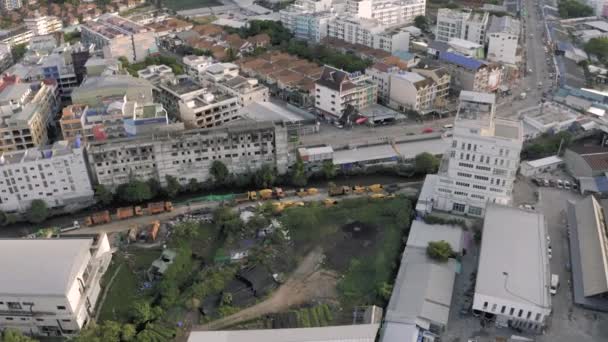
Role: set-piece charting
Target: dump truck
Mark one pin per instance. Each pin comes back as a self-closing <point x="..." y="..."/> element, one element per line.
<point x="248" y="196"/>
<point x="265" y="194"/>
<point x="375" y="188"/>
<point x="98" y="218"/>
<point x="278" y="193"/>
<point x="328" y="202"/>
<point x="307" y="192"/>
<point x="124" y="213"/>
<point x="339" y="190"/>
<point x="277" y="207"/>
<point x="377" y="196"/>
<point x="153" y="230"/>
<point x="358" y="189"/>
<point x="159" y="207"/>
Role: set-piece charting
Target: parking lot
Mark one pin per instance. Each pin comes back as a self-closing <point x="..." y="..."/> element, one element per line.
<point x="568" y="323"/>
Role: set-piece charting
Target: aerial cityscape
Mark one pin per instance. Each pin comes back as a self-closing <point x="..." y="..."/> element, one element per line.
<point x="304" y="170"/>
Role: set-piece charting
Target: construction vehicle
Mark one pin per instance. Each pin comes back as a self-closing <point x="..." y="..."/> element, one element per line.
<point x="128" y="212"/>
<point x="278" y="193"/>
<point x="375" y="188"/>
<point x="265" y="194"/>
<point x="377" y="196"/>
<point x="98" y="218"/>
<point x="248" y="196"/>
<point x="358" y="189"/>
<point x="328" y="202"/>
<point x="153" y="231"/>
<point x="339" y="190"/>
<point x="277" y="207"/>
<point x="307" y="192"/>
<point x="159" y="207"/>
<point x="298" y="204"/>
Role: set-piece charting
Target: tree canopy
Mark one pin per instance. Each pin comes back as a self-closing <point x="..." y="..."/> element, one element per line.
<point x="219" y="172"/>
<point x="103" y="195"/>
<point x="173" y="187"/>
<point x="574" y="9"/>
<point x="135" y="191"/>
<point x="38" y="211"/>
<point x="598" y="47"/>
<point x="421" y="22"/>
<point x="12" y="335"/>
<point x="323" y="54"/>
<point x="439" y="250"/>
<point x="426" y="163"/>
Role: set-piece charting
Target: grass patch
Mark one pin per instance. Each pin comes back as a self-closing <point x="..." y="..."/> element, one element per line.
<point x="179" y="5"/>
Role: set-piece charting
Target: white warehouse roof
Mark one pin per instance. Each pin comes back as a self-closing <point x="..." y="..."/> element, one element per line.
<point x="514" y="243"/>
<point x="40" y="266"/>
<point x="422" y="233"/>
<point x="544" y="161"/>
<point x="341" y="333"/>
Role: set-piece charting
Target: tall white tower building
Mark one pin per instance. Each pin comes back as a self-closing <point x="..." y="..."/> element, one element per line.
<point x="482" y="162"/>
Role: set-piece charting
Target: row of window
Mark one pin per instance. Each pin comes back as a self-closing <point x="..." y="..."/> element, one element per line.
<point x="520" y="312"/>
<point x="19" y="306"/>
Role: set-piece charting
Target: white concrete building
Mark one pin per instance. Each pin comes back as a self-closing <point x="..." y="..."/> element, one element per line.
<point x="481" y="165"/>
<point x="220" y="71"/>
<point x="247" y="90"/>
<point x="336" y="89"/>
<point x="189" y="154"/>
<point x="50" y="286"/>
<point x="119" y="37"/>
<point x="18" y="36"/>
<point x="413" y="91"/>
<point x="195" y="105"/>
<point x="463" y="24"/>
<point x="503" y="40"/>
<point x="156" y="73"/>
<point x="386" y="12"/>
<point x="380" y="74"/>
<point x="531" y="168"/>
<point x="41" y="25"/>
<point x="10" y="5"/>
<point x="196" y="65"/>
<point x="57" y="175"/>
<point x="514" y="286"/>
<point x="309" y="19"/>
<point x="369" y="33"/>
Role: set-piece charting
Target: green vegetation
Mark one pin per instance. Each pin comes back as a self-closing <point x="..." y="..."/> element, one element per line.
<point x="11" y="335"/>
<point x="135" y="191"/>
<point x="219" y="172"/>
<point x="171" y="62"/>
<point x="421" y="22"/>
<point x="180" y="5"/>
<point x="278" y="34"/>
<point x="439" y="250"/>
<point x="71" y="37"/>
<point x="173" y="187"/>
<point x="37" y="212"/>
<point x="324" y="55"/>
<point x="329" y="169"/>
<point x="18" y="51"/>
<point x="298" y="175"/>
<point x="546" y="145"/>
<point x="426" y="163"/>
<point x="598" y="47"/>
<point x="574" y="9"/>
<point x="103" y="195"/>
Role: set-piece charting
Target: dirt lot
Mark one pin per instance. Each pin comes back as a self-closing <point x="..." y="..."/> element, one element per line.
<point x="355" y="239"/>
<point x="308" y="283"/>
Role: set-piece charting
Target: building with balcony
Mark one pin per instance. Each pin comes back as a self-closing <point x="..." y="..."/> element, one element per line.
<point x="369" y="33"/>
<point x="415" y="91"/>
<point x="57" y="175"/>
<point x="195" y="105"/>
<point x="386" y="12"/>
<point x="188" y="154"/>
<point x="503" y="40"/>
<point x="471" y="74"/>
<point x="481" y="164"/>
<point x="26" y="111"/>
<point x="17" y="36"/>
<point x="50" y="287"/>
<point x="309" y="26"/>
<point x="220" y="71"/>
<point x="119" y="37"/>
<point x="463" y="24"/>
<point x="95" y="89"/>
<point x="10" y="5"/>
<point x="247" y="90"/>
<point x="196" y="65"/>
<point x="156" y="73"/>
<point x="42" y="25"/>
<point x="336" y="89"/>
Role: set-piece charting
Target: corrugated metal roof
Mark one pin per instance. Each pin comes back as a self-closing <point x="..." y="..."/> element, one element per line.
<point x="465" y="62"/>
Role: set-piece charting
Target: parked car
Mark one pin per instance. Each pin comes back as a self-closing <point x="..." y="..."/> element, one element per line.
<point x="560" y="184"/>
<point x="567" y="185"/>
<point x="550" y="252"/>
<point x="552" y="183"/>
<point x="537" y="181"/>
<point x="546" y="182"/>
<point x="427" y="130"/>
<point x="574" y="186"/>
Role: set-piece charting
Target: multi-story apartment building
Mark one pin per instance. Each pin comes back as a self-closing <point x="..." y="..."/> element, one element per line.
<point x="414" y="91"/>
<point x="42" y="25"/>
<point x="10" y="5"/>
<point x="94" y="90"/>
<point x="380" y="74"/>
<point x="386" y="12"/>
<point x="368" y="33"/>
<point x="6" y="57"/>
<point x="442" y="80"/>
<point x="463" y="24"/>
<point x="247" y="90"/>
<point x="17" y="36"/>
<point x="116" y="118"/>
<point x="514" y="286"/>
<point x="57" y="175"/>
<point x="503" y="40"/>
<point x="50" y="286"/>
<point x="309" y="26"/>
<point x="195" y="105"/>
<point x="336" y="89"/>
<point x="189" y="154"/>
<point x="195" y="66"/>
<point x="472" y="74"/>
<point x="481" y="165"/>
<point x="156" y="73"/>
<point x="119" y="37"/>
<point x="219" y="71"/>
<point x="26" y="110"/>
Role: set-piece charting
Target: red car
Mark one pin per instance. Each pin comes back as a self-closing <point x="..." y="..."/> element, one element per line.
<point x="427" y="130"/>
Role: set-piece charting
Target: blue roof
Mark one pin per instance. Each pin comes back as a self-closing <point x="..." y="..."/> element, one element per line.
<point x="404" y="55"/>
<point x="460" y="60"/>
<point x="564" y="46"/>
<point x="601" y="182"/>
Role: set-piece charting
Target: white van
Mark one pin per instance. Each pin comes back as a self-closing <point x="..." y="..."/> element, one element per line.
<point x="448" y="126"/>
<point x="554" y="284"/>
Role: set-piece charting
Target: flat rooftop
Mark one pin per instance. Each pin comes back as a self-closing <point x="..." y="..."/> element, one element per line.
<point x="40" y="266"/>
<point x="514" y="243"/>
<point x="268" y="111"/>
<point x="407" y="150"/>
<point x="422" y="233"/>
<point x="548" y="113"/>
<point x="341" y="333"/>
<point x="508" y="129"/>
